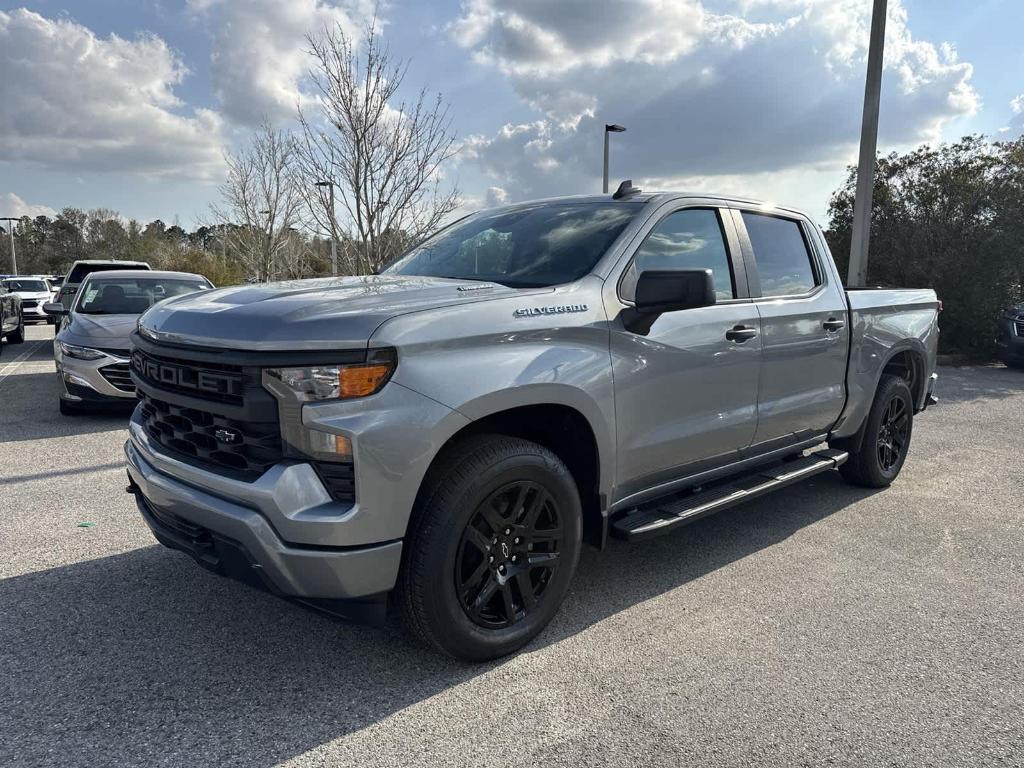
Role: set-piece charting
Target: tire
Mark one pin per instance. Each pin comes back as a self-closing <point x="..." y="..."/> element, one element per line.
<point x="17" y="336"/>
<point x="68" y="409"/>
<point x="887" y="433"/>
<point x="463" y="587"/>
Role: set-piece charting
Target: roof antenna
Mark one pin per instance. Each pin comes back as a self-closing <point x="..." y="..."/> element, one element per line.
<point x="625" y="189"/>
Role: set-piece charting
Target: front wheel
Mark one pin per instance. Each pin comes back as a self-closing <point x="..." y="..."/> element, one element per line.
<point x="491" y="548"/>
<point x="887" y="433"/>
<point x="17" y="336"/>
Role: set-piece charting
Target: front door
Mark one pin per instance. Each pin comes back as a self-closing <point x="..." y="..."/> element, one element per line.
<point x="686" y="390"/>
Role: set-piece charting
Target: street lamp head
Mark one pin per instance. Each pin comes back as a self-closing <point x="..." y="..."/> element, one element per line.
<point x="323" y="184"/>
<point x="613" y="128"/>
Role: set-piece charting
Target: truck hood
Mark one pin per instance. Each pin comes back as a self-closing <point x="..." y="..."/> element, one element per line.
<point x="107" y="331"/>
<point x="331" y="313"/>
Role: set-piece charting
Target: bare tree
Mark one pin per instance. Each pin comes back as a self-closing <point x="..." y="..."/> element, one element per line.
<point x="383" y="155"/>
<point x="261" y="199"/>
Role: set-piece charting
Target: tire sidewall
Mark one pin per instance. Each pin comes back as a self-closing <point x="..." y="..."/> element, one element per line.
<point x="892" y="387"/>
<point x="451" y="626"/>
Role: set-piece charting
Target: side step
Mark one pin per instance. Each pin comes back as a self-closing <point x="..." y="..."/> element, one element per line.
<point x="662" y="516"/>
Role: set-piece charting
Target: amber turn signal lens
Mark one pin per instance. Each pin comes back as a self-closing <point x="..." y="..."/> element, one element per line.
<point x="361" y="380"/>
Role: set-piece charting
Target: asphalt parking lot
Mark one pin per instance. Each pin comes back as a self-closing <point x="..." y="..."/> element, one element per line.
<point x="822" y="625"/>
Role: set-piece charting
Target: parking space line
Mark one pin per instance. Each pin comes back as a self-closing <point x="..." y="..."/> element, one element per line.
<point x="12" y="366"/>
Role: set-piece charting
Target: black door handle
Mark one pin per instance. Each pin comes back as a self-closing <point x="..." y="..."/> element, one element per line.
<point x="833" y="325"/>
<point x="740" y="333"/>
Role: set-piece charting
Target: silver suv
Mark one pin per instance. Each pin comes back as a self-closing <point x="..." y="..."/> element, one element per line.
<point x="529" y="379"/>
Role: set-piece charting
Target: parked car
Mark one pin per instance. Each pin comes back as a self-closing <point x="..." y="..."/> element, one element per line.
<point x="528" y="379"/>
<point x="12" y="321"/>
<point x="33" y="292"/>
<point x="92" y="348"/>
<point x="1010" y="337"/>
<point x="85" y="267"/>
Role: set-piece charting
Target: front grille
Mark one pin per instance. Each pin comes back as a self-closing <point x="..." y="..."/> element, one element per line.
<point x="29" y="303"/>
<point x="246" y="449"/>
<point x="209" y="381"/>
<point x="339" y="479"/>
<point x="119" y="376"/>
<point x="1018" y="326"/>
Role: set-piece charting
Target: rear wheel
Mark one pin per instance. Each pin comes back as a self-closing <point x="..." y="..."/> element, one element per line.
<point x="887" y="435"/>
<point x="491" y="549"/>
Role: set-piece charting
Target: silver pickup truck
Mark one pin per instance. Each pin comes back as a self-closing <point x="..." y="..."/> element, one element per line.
<point x="450" y="432"/>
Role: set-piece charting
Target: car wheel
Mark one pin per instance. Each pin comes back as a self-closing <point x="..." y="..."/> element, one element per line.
<point x="491" y="549"/>
<point x="17" y="336"/>
<point x="69" y="409"/>
<point x="887" y="434"/>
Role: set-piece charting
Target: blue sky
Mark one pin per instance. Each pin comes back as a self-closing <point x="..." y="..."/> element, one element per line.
<point x="129" y="105"/>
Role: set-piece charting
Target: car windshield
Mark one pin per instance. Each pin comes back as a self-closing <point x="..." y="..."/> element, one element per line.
<point x="26" y="286"/>
<point x="134" y="295"/>
<point x="81" y="271"/>
<point x="525" y="246"/>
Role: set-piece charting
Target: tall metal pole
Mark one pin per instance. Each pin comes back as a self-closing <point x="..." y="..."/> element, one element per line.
<point x="334" y="237"/>
<point x="10" y="231"/>
<point x="604" y="186"/>
<point x="858" y="273"/>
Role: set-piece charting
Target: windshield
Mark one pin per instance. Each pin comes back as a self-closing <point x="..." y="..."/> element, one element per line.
<point x="524" y="247"/>
<point x="133" y="296"/>
<point x="26" y="286"/>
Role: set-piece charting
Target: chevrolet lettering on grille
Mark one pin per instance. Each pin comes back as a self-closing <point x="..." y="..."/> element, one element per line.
<point x="185" y="377"/>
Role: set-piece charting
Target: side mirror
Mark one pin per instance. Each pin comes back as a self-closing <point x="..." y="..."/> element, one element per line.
<point x="54" y="308"/>
<point x="670" y="290"/>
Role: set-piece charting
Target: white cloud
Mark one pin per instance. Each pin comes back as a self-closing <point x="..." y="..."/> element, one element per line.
<point x="12" y="205"/>
<point x="260" y="51"/>
<point x="1017" y="104"/>
<point x="704" y="96"/>
<point x="495" y="196"/>
<point x="72" y="100"/>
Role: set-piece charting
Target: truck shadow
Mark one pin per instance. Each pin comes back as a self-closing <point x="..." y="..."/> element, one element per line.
<point x="142" y="657"/>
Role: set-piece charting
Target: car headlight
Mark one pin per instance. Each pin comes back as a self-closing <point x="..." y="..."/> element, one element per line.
<point x="337" y="382"/>
<point x="80" y="353"/>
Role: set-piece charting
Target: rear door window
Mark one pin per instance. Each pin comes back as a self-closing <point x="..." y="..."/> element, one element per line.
<point x="784" y="263"/>
<point x="688" y="239"/>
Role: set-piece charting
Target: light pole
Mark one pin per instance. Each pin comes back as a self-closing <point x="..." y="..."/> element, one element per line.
<point x="859" y="240"/>
<point x="10" y="231"/>
<point x="608" y="129"/>
<point x="334" y="235"/>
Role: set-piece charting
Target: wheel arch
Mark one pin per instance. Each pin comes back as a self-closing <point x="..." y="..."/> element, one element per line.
<point x="908" y="361"/>
<point x="562" y="428"/>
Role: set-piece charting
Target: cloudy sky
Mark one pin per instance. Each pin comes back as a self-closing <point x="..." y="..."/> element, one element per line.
<point x="130" y="104"/>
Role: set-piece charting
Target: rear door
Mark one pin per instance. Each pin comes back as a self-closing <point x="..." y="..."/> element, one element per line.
<point x="804" y="336"/>
<point x="685" y="393"/>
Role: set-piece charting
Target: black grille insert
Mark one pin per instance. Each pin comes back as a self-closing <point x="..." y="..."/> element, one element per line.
<point x="209" y="381"/>
<point x="245" y="449"/>
<point x="119" y="376"/>
<point x="339" y="478"/>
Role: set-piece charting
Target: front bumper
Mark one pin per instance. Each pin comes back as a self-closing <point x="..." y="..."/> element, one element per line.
<point x="83" y="381"/>
<point x="35" y="314"/>
<point x="172" y="508"/>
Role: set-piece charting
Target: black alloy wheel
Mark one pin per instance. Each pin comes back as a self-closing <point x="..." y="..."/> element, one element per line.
<point x="893" y="433"/>
<point x="508" y="555"/>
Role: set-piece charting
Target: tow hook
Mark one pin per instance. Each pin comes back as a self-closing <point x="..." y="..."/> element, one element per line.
<point x="131" y="488"/>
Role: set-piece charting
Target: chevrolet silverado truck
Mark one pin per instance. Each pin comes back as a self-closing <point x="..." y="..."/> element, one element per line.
<point x="444" y="437"/>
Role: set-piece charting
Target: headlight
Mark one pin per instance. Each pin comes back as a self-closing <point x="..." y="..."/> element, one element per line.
<point x="80" y="353"/>
<point x="337" y="382"/>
